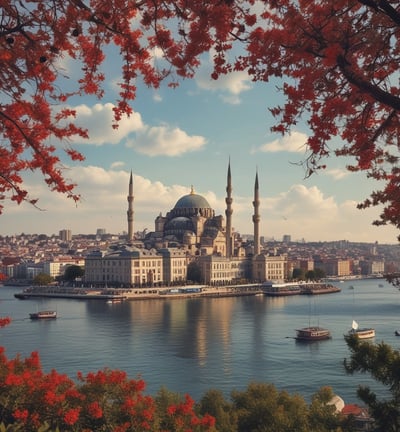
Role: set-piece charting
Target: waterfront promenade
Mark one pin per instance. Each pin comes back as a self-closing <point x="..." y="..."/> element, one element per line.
<point x="188" y="291"/>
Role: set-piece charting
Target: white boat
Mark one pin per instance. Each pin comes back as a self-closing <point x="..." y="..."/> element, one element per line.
<point x="362" y="333"/>
<point x="46" y="314"/>
<point x="310" y="334"/>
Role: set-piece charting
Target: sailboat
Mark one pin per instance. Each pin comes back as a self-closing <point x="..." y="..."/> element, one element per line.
<point x="312" y="333"/>
<point x="361" y="333"/>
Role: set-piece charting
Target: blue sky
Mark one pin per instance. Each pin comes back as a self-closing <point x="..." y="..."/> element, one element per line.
<point x="182" y="137"/>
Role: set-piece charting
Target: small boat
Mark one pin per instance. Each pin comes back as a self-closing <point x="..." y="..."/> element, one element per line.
<point x="397" y="332"/>
<point x="362" y="333"/>
<point x="310" y="334"/>
<point x="46" y="314"/>
<point x="116" y="300"/>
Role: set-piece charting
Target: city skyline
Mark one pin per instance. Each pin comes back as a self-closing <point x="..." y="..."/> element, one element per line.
<point x="180" y="138"/>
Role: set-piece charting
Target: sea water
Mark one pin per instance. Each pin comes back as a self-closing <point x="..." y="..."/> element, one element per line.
<point x="193" y="345"/>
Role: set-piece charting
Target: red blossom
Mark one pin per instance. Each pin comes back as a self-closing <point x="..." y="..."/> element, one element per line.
<point x="21" y="415"/>
<point x="95" y="410"/>
<point x="71" y="416"/>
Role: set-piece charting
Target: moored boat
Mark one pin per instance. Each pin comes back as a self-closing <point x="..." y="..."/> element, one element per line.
<point x="310" y="334"/>
<point x="116" y="300"/>
<point x="46" y="314"/>
<point x="280" y="290"/>
<point x="361" y="333"/>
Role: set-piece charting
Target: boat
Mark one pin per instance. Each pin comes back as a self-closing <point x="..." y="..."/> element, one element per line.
<point x="361" y="333"/>
<point x="310" y="334"/>
<point x="397" y="332"/>
<point x="116" y="300"/>
<point x="46" y="314"/>
<point x="280" y="290"/>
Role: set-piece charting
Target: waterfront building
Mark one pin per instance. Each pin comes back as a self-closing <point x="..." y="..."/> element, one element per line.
<point x="373" y="266"/>
<point x="57" y="267"/>
<point x="219" y="270"/>
<point x="124" y="266"/>
<point x="272" y="268"/>
<point x="175" y="264"/>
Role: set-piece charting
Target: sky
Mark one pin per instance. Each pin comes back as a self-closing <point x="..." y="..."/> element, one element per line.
<point x="181" y="138"/>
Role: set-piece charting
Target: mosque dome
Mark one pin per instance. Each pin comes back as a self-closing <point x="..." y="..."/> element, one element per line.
<point x="192" y="200"/>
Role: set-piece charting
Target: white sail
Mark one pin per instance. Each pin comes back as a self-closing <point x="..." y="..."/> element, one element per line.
<point x="354" y="325"/>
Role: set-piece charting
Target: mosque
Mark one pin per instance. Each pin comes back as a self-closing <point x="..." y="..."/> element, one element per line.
<point x="193" y="225"/>
<point x="190" y="234"/>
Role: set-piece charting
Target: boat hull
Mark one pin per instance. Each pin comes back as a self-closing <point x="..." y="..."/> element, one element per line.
<point x="365" y="333"/>
<point x="311" y="334"/>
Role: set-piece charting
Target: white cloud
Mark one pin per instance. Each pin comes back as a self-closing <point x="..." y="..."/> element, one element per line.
<point x="233" y="83"/>
<point x="337" y="173"/>
<point x="293" y="142"/>
<point x="230" y="86"/>
<point x="166" y="141"/>
<point x="99" y="118"/>
<point x="149" y="140"/>
<point x="117" y="164"/>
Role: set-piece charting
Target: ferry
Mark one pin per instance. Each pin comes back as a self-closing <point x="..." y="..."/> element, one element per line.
<point x="43" y="315"/>
<point x="361" y="333"/>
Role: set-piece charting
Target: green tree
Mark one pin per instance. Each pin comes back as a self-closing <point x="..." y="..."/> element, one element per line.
<point x="319" y="273"/>
<point x="214" y="403"/>
<point x="43" y="279"/>
<point x="310" y="275"/>
<point x="382" y="362"/>
<point x="193" y="272"/>
<point x="262" y="408"/>
<point x="298" y="274"/>
<point x="72" y="272"/>
<point x="322" y="414"/>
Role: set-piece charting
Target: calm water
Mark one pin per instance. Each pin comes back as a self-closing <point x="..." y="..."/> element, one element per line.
<point x="193" y="345"/>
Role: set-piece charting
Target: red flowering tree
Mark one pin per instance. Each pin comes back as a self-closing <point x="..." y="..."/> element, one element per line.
<point x="103" y="401"/>
<point x="338" y="63"/>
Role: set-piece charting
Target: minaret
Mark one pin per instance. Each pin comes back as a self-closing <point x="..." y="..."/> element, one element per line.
<point x="256" y="218"/>
<point x="228" y="213"/>
<point x="130" y="209"/>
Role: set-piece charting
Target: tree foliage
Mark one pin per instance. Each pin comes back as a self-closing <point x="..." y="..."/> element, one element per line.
<point x="262" y="407"/>
<point x="43" y="279"/>
<point x="338" y="64"/>
<point x="382" y="362"/>
<point x="72" y="272"/>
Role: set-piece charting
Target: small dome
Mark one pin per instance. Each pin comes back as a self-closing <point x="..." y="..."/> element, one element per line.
<point x="192" y="200"/>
